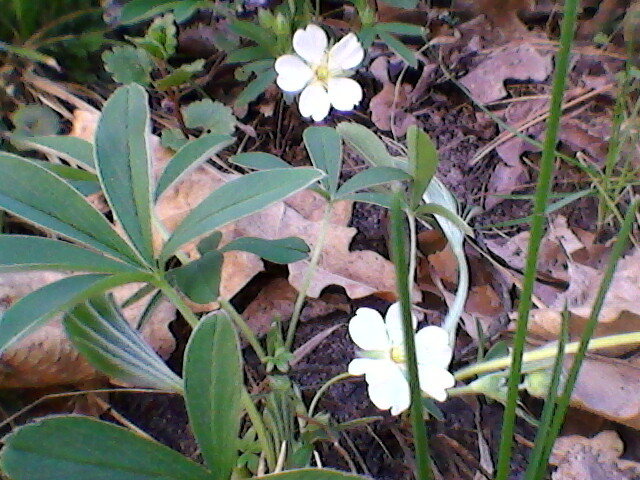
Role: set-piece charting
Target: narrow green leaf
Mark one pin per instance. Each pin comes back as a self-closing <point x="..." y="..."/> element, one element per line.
<point x="366" y="143"/>
<point x="34" y="309"/>
<point x="213" y="389"/>
<point x="400" y="48"/>
<point x="259" y="161"/>
<point x="138" y="10"/>
<point x="239" y="198"/>
<point x="401" y="28"/>
<point x="371" y="177"/>
<point x="72" y="149"/>
<point x="189" y="156"/>
<point x="282" y="250"/>
<point x="82" y="448"/>
<point x="27" y="190"/>
<point x="325" y="149"/>
<point x="180" y="75"/>
<point x="28" y="252"/>
<point x="408" y="4"/>
<point x="312" y="474"/>
<point x="376" y="198"/>
<point x="248" y="54"/>
<point x="255" y="87"/>
<point x="100" y="332"/>
<point x="199" y="280"/>
<point x="423" y="161"/>
<point x="123" y="162"/>
<point x="452" y="216"/>
<point x="254" y="32"/>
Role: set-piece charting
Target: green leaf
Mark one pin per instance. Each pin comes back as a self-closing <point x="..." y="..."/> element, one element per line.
<point x="27" y="190"/>
<point x="28" y="252"/>
<point x="254" y="32"/>
<point x="312" y="474"/>
<point x="199" y="280"/>
<point x="451" y="216"/>
<point x="371" y="177"/>
<point x="82" y="448"/>
<point x="259" y="161"/>
<point x="213" y="389"/>
<point x="400" y="48"/>
<point x="401" y="28"/>
<point x="180" y="75"/>
<point x="123" y="162"/>
<point x="248" y="54"/>
<point x="423" y="161"/>
<point x="128" y="64"/>
<point x="84" y="182"/>
<point x="160" y="40"/>
<point x="138" y="10"/>
<point x="282" y="250"/>
<point x="214" y="117"/>
<point x="325" y="149"/>
<point x="173" y="138"/>
<point x="100" y="333"/>
<point x="239" y="198"/>
<point x="408" y="4"/>
<point x="189" y="156"/>
<point x="255" y="87"/>
<point x="377" y="198"/>
<point x="366" y="143"/>
<point x="72" y="149"/>
<point x="35" y="119"/>
<point x="34" y="309"/>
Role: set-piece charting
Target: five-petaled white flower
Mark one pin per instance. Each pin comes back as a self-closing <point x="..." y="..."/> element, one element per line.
<point x="383" y="360"/>
<point x="321" y="74"/>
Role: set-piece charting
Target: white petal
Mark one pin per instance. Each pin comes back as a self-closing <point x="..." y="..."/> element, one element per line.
<point x="368" y="331"/>
<point x="432" y="346"/>
<point x="393" y="319"/>
<point x="311" y="43"/>
<point x="388" y="388"/>
<point x="293" y="73"/>
<point x="361" y="366"/>
<point x="346" y="54"/>
<point x="314" y="102"/>
<point x="344" y="93"/>
<point x="434" y="381"/>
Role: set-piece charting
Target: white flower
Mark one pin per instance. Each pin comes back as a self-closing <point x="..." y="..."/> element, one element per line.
<point x="321" y="74"/>
<point x="383" y="361"/>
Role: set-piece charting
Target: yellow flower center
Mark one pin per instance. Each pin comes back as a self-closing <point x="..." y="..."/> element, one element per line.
<point x="397" y="354"/>
<point x="322" y="73"/>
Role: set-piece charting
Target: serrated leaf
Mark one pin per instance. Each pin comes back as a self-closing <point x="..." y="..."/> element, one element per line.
<point x="124" y="164"/>
<point x="214" y="117"/>
<point x="35" y="119"/>
<point x="325" y="150"/>
<point x="173" y="138"/>
<point x="34" y="309"/>
<point x="162" y="32"/>
<point x="26" y="190"/>
<point x="128" y="64"/>
<point x="282" y="250"/>
<point x="200" y="279"/>
<point x="100" y="333"/>
<point x="239" y="198"/>
<point x="213" y="389"/>
<point x="180" y="75"/>
<point x="189" y="156"/>
<point x="28" y="252"/>
<point x="74" y="448"/>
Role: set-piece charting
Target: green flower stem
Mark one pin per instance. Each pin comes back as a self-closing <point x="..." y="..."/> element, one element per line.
<point x="324" y="388"/>
<point x="545" y="177"/>
<point x="548" y="352"/>
<point x="399" y="256"/>
<point x="244" y="328"/>
<point x="261" y="430"/>
<point x="413" y="249"/>
<point x="176" y="299"/>
<point x="313" y="264"/>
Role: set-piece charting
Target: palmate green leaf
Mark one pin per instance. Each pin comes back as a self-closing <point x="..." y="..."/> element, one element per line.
<point x="325" y="149"/>
<point x="34" y="309"/>
<point x="123" y="163"/>
<point x="74" y="150"/>
<point x="259" y="161"/>
<point x="180" y="75"/>
<point x="100" y="333"/>
<point x="423" y="161"/>
<point x="28" y="252"/>
<point x="128" y="64"/>
<point x="213" y="388"/>
<point x="239" y="198"/>
<point x="82" y="448"/>
<point x="39" y="196"/>
<point x="213" y="117"/>
<point x="371" y="177"/>
<point x="366" y="143"/>
<point x="199" y="280"/>
<point x="281" y="250"/>
<point x="35" y="119"/>
<point x="190" y="155"/>
<point x="312" y="474"/>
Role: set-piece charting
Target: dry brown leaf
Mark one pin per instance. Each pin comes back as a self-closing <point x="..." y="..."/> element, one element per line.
<point x="275" y="299"/>
<point x="597" y="458"/>
<point x="46" y="357"/>
<point x="517" y="62"/>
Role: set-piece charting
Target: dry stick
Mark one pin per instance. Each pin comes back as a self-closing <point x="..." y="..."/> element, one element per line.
<point x="530" y="122"/>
